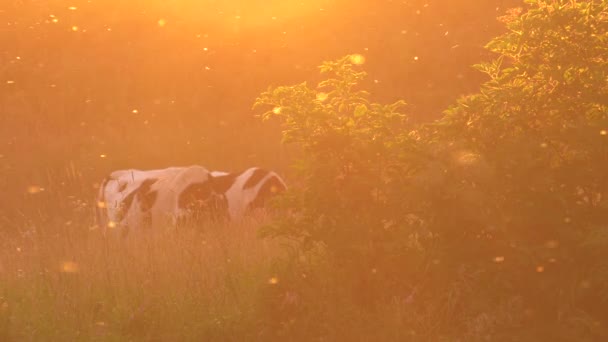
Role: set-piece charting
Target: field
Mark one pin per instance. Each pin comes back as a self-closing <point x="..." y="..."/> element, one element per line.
<point x="446" y="169"/>
<point x="199" y="283"/>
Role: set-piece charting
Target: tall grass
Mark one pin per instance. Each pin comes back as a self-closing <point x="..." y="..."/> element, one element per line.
<point x="198" y="283"/>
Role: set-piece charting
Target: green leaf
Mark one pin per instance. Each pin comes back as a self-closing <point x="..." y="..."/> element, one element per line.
<point x="360" y="110"/>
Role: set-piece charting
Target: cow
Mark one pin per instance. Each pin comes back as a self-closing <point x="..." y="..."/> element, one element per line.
<point x="152" y="198"/>
<point x="246" y="191"/>
<point x="136" y="198"/>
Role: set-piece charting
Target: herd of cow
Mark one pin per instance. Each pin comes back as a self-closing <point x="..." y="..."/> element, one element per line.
<point x="130" y="199"/>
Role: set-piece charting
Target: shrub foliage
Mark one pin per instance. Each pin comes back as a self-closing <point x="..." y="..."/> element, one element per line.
<point x="490" y="223"/>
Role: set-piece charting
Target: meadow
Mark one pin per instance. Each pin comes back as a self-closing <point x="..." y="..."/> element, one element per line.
<point x="198" y="283"/>
<point x="428" y="200"/>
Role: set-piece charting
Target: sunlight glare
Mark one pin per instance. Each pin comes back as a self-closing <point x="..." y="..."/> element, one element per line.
<point x="357" y="59"/>
<point x="499" y="259"/>
<point x="552" y="244"/>
<point x="69" y="267"/>
<point x="34" y="189"/>
<point x="322" y="96"/>
<point x="466" y="157"/>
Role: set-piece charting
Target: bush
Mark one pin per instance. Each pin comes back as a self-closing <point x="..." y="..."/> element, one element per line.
<point x="490" y="223"/>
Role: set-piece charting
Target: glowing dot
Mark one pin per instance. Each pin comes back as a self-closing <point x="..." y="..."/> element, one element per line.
<point x="321" y="97"/>
<point x="374" y="270"/>
<point x="69" y="267"/>
<point x="540" y="269"/>
<point x="17" y="57"/>
<point x="34" y="189"/>
<point x="102" y="155"/>
<point x="10" y="82"/>
<point x="72" y="8"/>
<point x="567" y="220"/>
<point x="276" y="110"/>
<point x="161" y="22"/>
<point x="205" y="49"/>
<point x="499" y="259"/>
<point x="207" y="68"/>
<point x="467" y="158"/>
<point x="273" y="281"/>
<point x="603" y="132"/>
<point x="101" y="204"/>
<point x="111" y="224"/>
<point x="415" y="58"/>
<point x="552" y="244"/>
<point x="74" y="28"/>
<point x="357" y="59"/>
<point x="55" y="20"/>
<point x="403" y="31"/>
<point x="134" y="111"/>
<point x="18" y="249"/>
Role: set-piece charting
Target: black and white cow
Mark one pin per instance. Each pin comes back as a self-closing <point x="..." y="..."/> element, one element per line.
<point x="247" y="190"/>
<point x="135" y="198"/>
